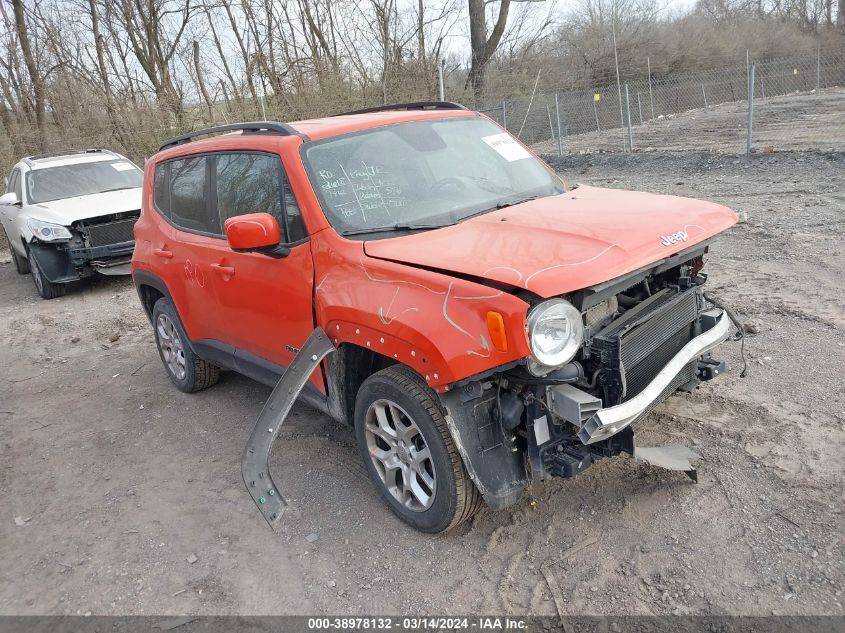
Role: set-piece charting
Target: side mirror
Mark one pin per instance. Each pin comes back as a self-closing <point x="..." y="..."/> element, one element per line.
<point x="10" y="198"/>
<point x="252" y="232"/>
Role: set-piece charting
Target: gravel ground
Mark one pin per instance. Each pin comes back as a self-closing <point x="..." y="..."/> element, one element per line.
<point x="131" y="502"/>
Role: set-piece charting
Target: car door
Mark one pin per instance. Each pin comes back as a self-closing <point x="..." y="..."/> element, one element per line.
<point x="266" y="299"/>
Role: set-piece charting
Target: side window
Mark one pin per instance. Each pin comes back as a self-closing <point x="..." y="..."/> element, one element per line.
<point x="189" y="200"/>
<point x="161" y="189"/>
<point x="256" y="183"/>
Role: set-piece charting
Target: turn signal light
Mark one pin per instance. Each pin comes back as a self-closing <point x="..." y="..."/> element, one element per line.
<point x="496" y="327"/>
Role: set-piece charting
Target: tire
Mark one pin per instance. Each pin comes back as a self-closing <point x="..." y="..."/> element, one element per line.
<point x="21" y="263"/>
<point x="46" y="288"/>
<point x="185" y="369"/>
<point x="397" y="419"/>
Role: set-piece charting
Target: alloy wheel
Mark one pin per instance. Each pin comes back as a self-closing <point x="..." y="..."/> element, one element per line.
<point x="171" y="346"/>
<point x="36" y="276"/>
<point x="400" y="455"/>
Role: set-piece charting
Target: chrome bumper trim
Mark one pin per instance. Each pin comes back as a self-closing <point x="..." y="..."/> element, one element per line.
<point x="607" y="422"/>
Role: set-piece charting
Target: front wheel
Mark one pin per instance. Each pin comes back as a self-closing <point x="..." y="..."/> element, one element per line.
<point x="46" y="288"/>
<point x="21" y="263"/>
<point x="412" y="459"/>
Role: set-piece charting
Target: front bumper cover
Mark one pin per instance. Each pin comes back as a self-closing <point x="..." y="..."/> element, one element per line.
<point x="63" y="262"/>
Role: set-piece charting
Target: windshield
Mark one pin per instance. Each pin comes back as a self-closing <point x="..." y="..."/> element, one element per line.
<point x="81" y="179"/>
<point x="423" y="174"/>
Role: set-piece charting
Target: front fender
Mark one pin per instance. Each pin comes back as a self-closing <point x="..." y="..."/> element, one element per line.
<point x="431" y="321"/>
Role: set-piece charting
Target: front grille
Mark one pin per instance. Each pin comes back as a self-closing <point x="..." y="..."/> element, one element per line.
<point x="106" y="233"/>
<point x="634" y="355"/>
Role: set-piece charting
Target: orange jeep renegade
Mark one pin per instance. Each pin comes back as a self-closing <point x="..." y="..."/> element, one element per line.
<point x="491" y="325"/>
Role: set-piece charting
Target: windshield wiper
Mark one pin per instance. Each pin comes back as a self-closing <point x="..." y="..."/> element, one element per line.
<point x="396" y="227"/>
<point x="117" y="189"/>
<point x="500" y="205"/>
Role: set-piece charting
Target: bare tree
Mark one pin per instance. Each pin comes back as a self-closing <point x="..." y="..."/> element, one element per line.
<point x="35" y="76"/>
<point x="483" y="46"/>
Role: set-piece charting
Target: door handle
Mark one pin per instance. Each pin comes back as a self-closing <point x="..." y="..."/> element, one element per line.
<point x="226" y="271"/>
<point x="161" y="252"/>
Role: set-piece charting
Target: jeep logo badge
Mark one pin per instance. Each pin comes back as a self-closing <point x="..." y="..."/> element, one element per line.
<point x="680" y="236"/>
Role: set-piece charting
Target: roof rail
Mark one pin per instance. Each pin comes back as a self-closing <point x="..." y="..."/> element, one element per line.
<point x="416" y="105"/>
<point x="271" y="127"/>
<point x="69" y="152"/>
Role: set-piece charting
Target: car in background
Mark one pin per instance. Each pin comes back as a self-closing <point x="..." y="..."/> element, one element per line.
<point x="68" y="215"/>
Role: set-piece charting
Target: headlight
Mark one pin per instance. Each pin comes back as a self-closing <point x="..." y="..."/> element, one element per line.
<point x="555" y="332"/>
<point x="47" y="232"/>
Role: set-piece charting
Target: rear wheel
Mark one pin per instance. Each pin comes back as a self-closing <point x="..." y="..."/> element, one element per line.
<point x="186" y="370"/>
<point x="46" y="288"/>
<point x="409" y="452"/>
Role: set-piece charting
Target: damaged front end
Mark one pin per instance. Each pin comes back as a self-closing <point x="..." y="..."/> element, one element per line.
<point x="644" y="337"/>
<point x="103" y="244"/>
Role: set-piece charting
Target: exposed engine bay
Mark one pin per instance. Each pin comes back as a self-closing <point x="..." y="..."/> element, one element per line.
<point x="103" y="244"/>
<point x="644" y="338"/>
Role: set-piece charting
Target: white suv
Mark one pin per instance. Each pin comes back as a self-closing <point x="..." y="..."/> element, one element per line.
<point x="70" y="214"/>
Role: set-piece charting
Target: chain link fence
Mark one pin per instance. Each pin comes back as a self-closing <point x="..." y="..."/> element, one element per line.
<point x="798" y="103"/>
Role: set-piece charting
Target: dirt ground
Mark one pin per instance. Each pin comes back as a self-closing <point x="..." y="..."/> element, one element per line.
<point x="119" y="480"/>
<point x="804" y="121"/>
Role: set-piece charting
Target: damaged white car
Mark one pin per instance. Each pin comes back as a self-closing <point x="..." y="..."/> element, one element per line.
<point x="70" y="214"/>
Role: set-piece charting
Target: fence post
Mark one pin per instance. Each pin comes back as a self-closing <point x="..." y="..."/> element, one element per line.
<point x="618" y="81"/>
<point x="818" y="68"/>
<point x="630" y="131"/>
<point x="650" y="94"/>
<point x="557" y="116"/>
<point x="596" y="112"/>
<point x="750" y="107"/>
<point x="704" y="94"/>
<point x="640" y="107"/>
<point x="551" y="125"/>
<point x="504" y="115"/>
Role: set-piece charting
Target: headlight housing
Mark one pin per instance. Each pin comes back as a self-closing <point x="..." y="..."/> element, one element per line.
<point x="47" y="231"/>
<point x="555" y="333"/>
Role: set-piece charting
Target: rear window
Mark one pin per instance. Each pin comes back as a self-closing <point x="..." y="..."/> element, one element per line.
<point x="82" y="179"/>
<point x="189" y="206"/>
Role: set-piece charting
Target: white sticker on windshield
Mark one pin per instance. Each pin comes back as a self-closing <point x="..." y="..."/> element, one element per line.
<point x="123" y="166"/>
<point x="506" y="146"/>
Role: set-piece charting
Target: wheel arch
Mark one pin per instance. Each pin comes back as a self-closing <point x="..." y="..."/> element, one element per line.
<point x="347" y="369"/>
<point x="151" y="288"/>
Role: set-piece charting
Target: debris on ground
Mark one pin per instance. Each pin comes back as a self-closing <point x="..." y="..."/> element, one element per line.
<point x="753" y="326"/>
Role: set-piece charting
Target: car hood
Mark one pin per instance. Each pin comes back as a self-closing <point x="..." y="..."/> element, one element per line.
<point x="563" y="243"/>
<point x="69" y="210"/>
